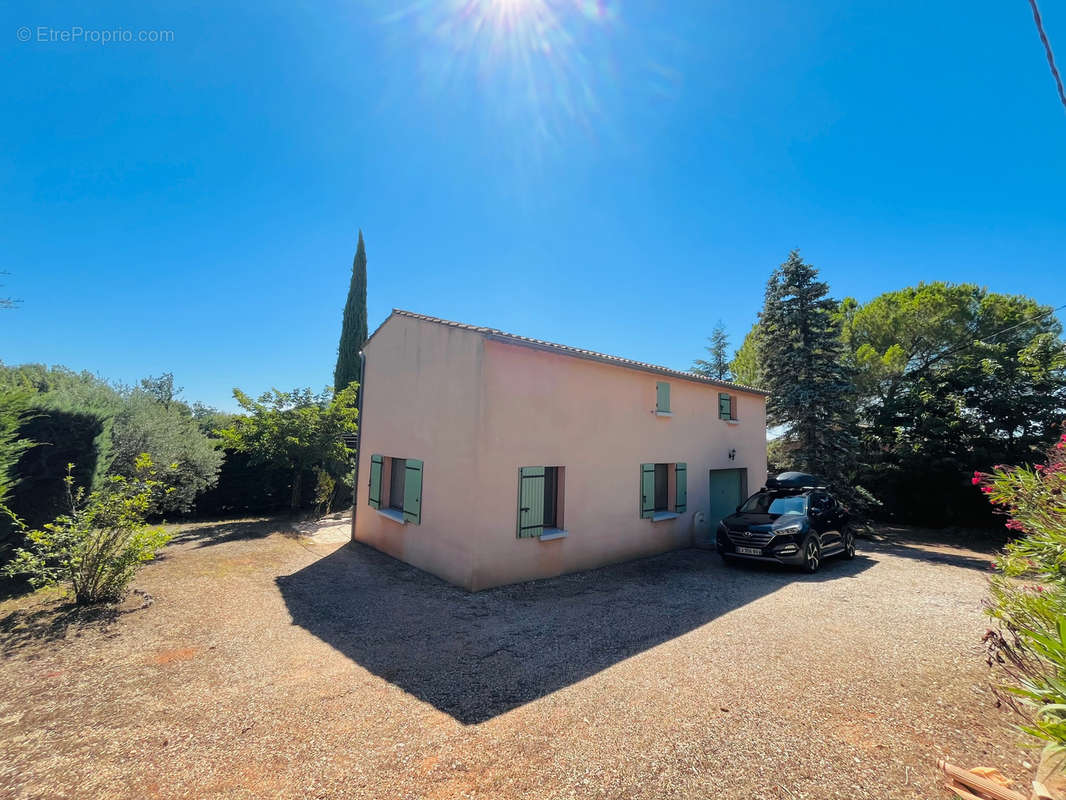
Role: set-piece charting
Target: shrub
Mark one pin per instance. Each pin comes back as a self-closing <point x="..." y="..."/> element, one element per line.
<point x="1029" y="593"/>
<point x="167" y="432"/>
<point x="98" y="546"/>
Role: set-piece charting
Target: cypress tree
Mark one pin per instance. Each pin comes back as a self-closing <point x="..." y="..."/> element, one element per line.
<point x="802" y="365"/>
<point x="353" y="328"/>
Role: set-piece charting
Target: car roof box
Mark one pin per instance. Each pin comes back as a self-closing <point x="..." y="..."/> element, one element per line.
<point x="795" y="480"/>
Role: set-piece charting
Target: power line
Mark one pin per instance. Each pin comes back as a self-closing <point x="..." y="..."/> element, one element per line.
<point x="1047" y="49"/>
<point x="983" y="339"/>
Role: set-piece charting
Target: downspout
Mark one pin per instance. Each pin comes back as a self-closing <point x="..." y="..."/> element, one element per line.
<point x="358" y="439"/>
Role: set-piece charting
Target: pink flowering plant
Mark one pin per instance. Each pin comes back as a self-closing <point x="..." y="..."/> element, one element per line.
<point x="1028" y="593"/>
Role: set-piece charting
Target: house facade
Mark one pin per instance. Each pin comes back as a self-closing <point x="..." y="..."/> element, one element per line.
<point x="488" y="458"/>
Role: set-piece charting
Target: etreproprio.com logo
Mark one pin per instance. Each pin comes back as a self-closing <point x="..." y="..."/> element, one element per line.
<point x="77" y="34"/>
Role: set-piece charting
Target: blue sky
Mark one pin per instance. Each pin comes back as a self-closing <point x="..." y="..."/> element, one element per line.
<point x="611" y="175"/>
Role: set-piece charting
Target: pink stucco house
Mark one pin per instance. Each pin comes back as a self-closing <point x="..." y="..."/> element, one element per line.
<point x="488" y="458"/>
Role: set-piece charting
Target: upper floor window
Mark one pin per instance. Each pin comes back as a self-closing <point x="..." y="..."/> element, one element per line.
<point x="662" y="397"/>
<point x="727" y="406"/>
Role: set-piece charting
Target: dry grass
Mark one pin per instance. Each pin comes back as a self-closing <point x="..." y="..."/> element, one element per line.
<point x="270" y="664"/>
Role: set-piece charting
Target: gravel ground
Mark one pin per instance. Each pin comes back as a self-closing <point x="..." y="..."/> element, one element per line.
<point x="273" y="664"/>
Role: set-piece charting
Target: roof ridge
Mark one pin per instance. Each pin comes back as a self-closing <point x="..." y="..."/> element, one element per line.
<point x="577" y="351"/>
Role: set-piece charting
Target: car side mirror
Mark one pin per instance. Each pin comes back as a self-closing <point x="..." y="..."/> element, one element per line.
<point x="738" y="510"/>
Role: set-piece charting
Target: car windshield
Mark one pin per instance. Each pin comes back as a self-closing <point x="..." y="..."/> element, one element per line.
<point x="775" y="504"/>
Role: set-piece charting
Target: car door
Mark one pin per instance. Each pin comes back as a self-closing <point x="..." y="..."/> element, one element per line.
<point x="824" y="520"/>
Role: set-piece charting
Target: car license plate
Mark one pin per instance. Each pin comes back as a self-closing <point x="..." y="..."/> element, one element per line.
<point x="749" y="551"/>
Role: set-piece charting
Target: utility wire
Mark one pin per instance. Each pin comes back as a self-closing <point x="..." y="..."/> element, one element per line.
<point x="1047" y="49"/>
<point x="982" y="340"/>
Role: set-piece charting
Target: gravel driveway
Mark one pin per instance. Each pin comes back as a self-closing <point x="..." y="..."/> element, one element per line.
<point x="284" y="666"/>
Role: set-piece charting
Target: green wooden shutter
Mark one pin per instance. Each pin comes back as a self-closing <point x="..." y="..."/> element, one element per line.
<point x="375" y="481"/>
<point x="681" y="487"/>
<point x="662" y="396"/>
<point x="412" y="492"/>
<point x="732" y="406"/>
<point x="725" y="406"/>
<point x="530" y="502"/>
<point x="647" y="490"/>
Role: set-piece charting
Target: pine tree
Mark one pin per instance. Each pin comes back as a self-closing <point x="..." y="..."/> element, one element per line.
<point x="353" y="328"/>
<point x="717" y="365"/>
<point x="801" y="357"/>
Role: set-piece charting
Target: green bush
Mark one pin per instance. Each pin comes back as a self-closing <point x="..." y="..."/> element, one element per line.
<point x="1029" y="593"/>
<point x="170" y="435"/>
<point x="98" y="546"/>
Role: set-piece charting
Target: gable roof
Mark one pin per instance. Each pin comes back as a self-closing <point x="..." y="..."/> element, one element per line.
<point x="566" y="350"/>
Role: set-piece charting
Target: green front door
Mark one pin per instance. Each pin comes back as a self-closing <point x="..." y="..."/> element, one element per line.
<point x="728" y="487"/>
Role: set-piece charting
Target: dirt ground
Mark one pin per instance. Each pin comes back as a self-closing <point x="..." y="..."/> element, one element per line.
<point x="262" y="661"/>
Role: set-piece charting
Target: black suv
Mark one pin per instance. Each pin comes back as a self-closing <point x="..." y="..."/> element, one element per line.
<point x="793" y="520"/>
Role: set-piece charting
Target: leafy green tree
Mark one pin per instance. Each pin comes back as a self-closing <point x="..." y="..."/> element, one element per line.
<point x="745" y="367"/>
<point x="811" y="391"/>
<point x="952" y="379"/>
<point x="296" y="431"/>
<point x="353" y="327"/>
<point x="161" y="389"/>
<point x="716" y="365"/>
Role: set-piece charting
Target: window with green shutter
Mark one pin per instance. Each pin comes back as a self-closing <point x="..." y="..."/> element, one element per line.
<point x="647" y="490"/>
<point x="680" y="487"/>
<point x="412" y="491"/>
<point x="374" y="495"/>
<point x="727" y="406"/>
<point x="530" y="502"/>
<point x="540" y="501"/>
<point x="662" y="397"/>
<point x="656" y="500"/>
<point x="400" y="480"/>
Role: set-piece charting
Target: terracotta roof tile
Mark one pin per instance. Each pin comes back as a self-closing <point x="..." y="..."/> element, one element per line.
<point x="577" y="352"/>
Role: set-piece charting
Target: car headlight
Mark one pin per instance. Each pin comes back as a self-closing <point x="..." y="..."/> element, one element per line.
<point x="788" y="529"/>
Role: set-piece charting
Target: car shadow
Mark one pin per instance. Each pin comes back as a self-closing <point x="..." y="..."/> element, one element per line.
<point x="475" y="656"/>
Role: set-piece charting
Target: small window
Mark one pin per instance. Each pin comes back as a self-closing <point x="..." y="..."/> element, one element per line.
<point x="662" y="397"/>
<point x="727" y="406"/>
<point x="663" y="489"/>
<point x="396" y="484"/>
<point x="540" y="504"/>
<point x="398" y="467"/>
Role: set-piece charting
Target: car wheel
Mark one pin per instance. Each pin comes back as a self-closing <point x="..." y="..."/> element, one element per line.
<point x="849" y="545"/>
<point x="812" y="555"/>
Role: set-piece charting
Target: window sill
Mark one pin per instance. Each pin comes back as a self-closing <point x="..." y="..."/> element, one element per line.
<point x="660" y="516"/>
<point x="664" y="413"/>
<point x="393" y="514"/>
<point x="551" y="534"/>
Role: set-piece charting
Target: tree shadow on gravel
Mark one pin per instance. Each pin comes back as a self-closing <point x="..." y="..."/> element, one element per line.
<point x="52" y="622"/>
<point x="214" y="533"/>
<point x="965" y="547"/>
<point x="474" y="656"/>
